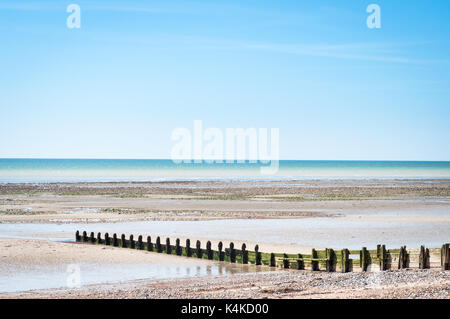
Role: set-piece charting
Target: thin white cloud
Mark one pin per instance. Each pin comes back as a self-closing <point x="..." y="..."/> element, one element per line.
<point x="376" y="52"/>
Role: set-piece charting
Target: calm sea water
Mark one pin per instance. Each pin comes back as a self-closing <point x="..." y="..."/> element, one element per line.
<point x="76" y="170"/>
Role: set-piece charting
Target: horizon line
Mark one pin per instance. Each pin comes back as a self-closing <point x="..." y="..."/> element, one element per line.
<point x="214" y="160"/>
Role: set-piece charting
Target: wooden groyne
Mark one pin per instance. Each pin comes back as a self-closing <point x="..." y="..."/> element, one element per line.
<point x="328" y="259"/>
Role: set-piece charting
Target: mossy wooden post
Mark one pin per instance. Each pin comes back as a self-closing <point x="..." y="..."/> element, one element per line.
<point x="85" y="238"/>
<point x="286" y="263"/>
<point x="300" y="262"/>
<point x="400" y="258"/>
<point x="378" y="251"/>
<point x="427" y="258"/>
<point x="140" y="243"/>
<point x="445" y="257"/>
<point x="158" y="245"/>
<point x="331" y="260"/>
<point x="383" y="258"/>
<point x="188" y="248"/>
<point x="149" y="243"/>
<point x="406" y="258"/>
<point x="345" y="260"/>
<point x="403" y="258"/>
<point x="327" y="259"/>
<point x="424" y="258"/>
<point x="314" y="260"/>
<point x="244" y="254"/>
<point x="198" y="249"/>
<point x="77" y="236"/>
<point x="258" y="256"/>
<point x="273" y="262"/>
<point x="168" y="247"/>
<point x="132" y="243"/>
<point x="178" y="247"/>
<point x="115" y="241"/>
<point x="92" y="238"/>
<point x="107" y="239"/>
<point x="123" y="241"/>
<point x="99" y="238"/>
<point x="209" y="251"/>
<point x="221" y="252"/>
<point x="364" y="259"/>
<point x="232" y="253"/>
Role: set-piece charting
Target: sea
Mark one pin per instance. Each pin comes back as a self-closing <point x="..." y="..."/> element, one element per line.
<point x="155" y="170"/>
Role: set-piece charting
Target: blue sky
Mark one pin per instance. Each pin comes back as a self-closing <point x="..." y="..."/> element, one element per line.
<point x="136" y="70"/>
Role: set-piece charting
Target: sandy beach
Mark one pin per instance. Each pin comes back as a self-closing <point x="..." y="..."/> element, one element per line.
<point x="284" y="216"/>
<point x="118" y="202"/>
<point x="235" y="281"/>
<point x="286" y="284"/>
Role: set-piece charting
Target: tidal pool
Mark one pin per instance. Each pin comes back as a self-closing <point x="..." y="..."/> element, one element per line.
<point x="344" y="232"/>
<point x="14" y="278"/>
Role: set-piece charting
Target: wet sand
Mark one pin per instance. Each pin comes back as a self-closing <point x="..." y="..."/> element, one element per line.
<point x="38" y="264"/>
<point x="287" y="284"/>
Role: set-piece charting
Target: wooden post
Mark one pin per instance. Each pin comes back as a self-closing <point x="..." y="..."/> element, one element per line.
<point x="286" y="263"/>
<point x="232" y="253"/>
<point x="383" y="258"/>
<point x="244" y="254"/>
<point x="92" y="237"/>
<point x="221" y="253"/>
<point x="209" y="251"/>
<point x="149" y="243"/>
<point x="99" y="238"/>
<point x="107" y="239"/>
<point x="77" y="236"/>
<point x="400" y="258"/>
<point x="140" y="243"/>
<point x="345" y="260"/>
<point x="403" y="258"/>
<point x="85" y="238"/>
<point x="424" y="258"/>
<point x="178" y="247"/>
<point x="198" y="250"/>
<point x="378" y="251"/>
<point x="314" y="263"/>
<point x="273" y="262"/>
<point x="168" y="247"/>
<point x="132" y="243"/>
<point x="300" y="262"/>
<point x="258" y="256"/>
<point x="158" y="245"/>
<point x="331" y="260"/>
<point x="124" y="242"/>
<point x="445" y="257"/>
<point x="188" y="248"/>
<point x="115" y="241"/>
<point x="364" y="259"/>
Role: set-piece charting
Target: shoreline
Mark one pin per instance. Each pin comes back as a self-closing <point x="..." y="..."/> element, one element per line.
<point x="236" y="180"/>
<point x="281" y="284"/>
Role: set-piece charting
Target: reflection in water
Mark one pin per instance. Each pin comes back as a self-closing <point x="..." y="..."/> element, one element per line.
<point x="55" y="276"/>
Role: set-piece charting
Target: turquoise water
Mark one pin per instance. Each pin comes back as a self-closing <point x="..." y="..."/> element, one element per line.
<point x="76" y="170"/>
